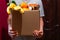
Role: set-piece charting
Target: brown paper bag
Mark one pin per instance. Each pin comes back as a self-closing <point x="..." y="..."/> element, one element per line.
<point x="25" y="23"/>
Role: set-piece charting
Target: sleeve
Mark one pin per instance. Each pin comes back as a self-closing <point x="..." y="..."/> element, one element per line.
<point x="41" y="8"/>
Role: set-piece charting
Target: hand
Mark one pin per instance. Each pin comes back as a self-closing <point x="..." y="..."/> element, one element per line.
<point x="38" y="33"/>
<point x="13" y="33"/>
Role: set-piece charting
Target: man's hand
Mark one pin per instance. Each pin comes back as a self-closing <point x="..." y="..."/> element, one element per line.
<point x="38" y="33"/>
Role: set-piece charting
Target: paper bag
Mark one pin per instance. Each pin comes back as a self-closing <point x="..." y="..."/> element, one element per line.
<point x="25" y="23"/>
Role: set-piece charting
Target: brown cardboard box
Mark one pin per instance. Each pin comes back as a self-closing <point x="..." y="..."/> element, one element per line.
<point x="25" y="23"/>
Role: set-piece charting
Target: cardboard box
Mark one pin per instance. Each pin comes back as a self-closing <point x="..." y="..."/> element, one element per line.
<point x="25" y="23"/>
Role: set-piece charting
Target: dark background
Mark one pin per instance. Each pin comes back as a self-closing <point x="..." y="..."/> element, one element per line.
<point x="52" y="19"/>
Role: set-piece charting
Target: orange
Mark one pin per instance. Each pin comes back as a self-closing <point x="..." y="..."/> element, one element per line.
<point x="24" y="5"/>
<point x="26" y="9"/>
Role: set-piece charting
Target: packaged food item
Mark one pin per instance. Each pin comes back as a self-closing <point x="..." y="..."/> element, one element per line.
<point x="34" y="6"/>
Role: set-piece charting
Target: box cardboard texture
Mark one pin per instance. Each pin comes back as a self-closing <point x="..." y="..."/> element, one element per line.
<point x="25" y="23"/>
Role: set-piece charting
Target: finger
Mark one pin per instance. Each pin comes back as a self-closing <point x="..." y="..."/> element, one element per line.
<point x="12" y="32"/>
<point x="34" y="34"/>
<point x="40" y="35"/>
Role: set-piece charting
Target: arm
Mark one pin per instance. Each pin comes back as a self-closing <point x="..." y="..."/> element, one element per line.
<point x="11" y="32"/>
<point x="40" y="31"/>
<point x="9" y="24"/>
<point x="41" y="23"/>
<point x="41" y="15"/>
